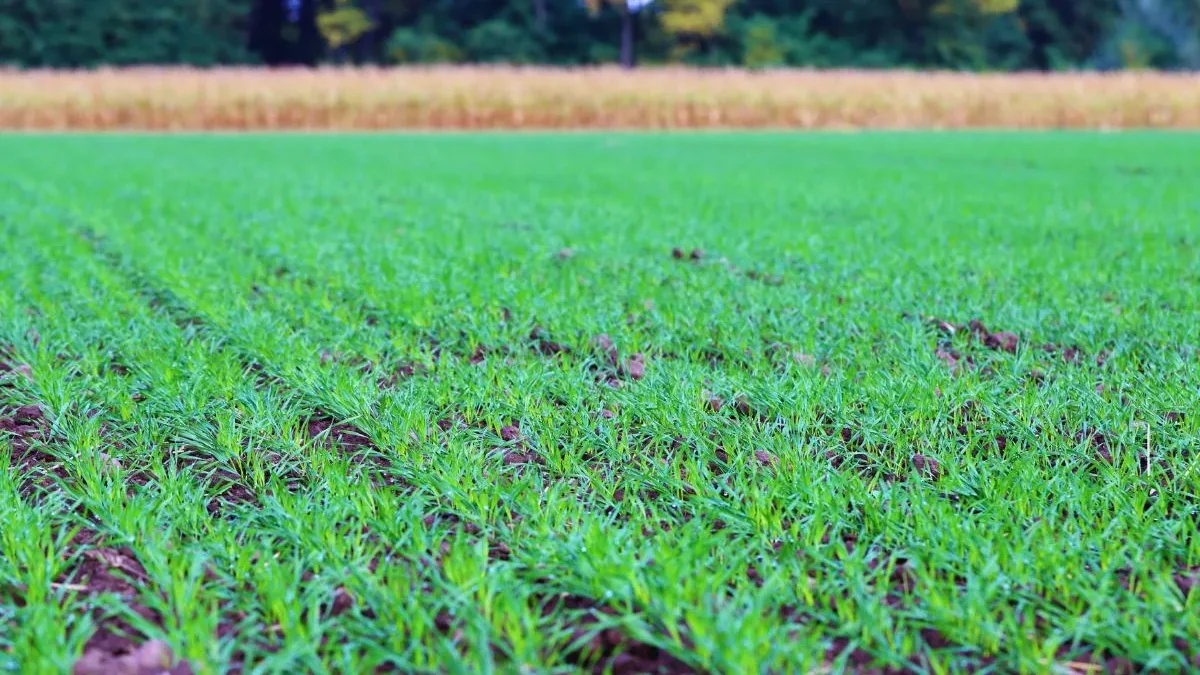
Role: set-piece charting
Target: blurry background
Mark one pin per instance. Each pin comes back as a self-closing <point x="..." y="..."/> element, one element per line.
<point x="1004" y="35"/>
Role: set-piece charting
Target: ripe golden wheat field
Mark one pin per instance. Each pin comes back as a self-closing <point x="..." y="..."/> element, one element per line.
<point x="599" y="98"/>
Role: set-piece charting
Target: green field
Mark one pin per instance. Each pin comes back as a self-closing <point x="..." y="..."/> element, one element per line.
<point x="588" y="403"/>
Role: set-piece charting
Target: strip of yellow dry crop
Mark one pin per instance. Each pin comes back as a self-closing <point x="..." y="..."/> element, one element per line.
<point x="532" y="98"/>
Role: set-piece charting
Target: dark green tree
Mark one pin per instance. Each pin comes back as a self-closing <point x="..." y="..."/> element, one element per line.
<point x="961" y="34"/>
<point x="284" y="32"/>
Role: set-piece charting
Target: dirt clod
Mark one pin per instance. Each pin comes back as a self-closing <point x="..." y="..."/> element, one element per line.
<point x="1188" y="580"/>
<point x="768" y="279"/>
<point x="108" y="462"/>
<point x="999" y="341"/>
<point x="611" y="650"/>
<point x="635" y="366"/>
<point x="695" y="255"/>
<point x="342" y="602"/>
<point x="29" y="414"/>
<point x="543" y="344"/>
<point x="978" y="329"/>
<point x="510" y="433"/>
<point x="605" y="345"/>
<point x="1071" y="354"/>
<point x="151" y="658"/>
<point x="715" y="403"/>
<point x="21" y="369"/>
<point x="743" y="407"/>
<point x="1097" y="441"/>
<point x="765" y="458"/>
<point x="514" y="458"/>
<point x="927" y="466"/>
<point x="954" y="359"/>
<point x="1002" y="341"/>
<point x="946" y="327"/>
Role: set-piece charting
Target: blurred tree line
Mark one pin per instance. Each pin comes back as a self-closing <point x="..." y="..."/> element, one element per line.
<point x="954" y="34"/>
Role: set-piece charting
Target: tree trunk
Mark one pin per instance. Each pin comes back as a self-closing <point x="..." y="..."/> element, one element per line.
<point x="372" y="55"/>
<point x="627" y="56"/>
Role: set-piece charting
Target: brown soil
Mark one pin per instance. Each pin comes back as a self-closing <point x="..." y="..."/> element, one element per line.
<point x="355" y="443"/>
<point x="715" y="403"/>
<point x="1000" y="341"/>
<point x="765" y="278"/>
<point x="610" y="368"/>
<point x="927" y="466"/>
<point x="510" y="433"/>
<point x="541" y="343"/>
<point x="150" y="658"/>
<point x="349" y="437"/>
<point x="612" y="649"/>
<point x="479" y="355"/>
<point x="604" y="345"/>
<point x="231" y="491"/>
<point x="1097" y="441"/>
<point x="20" y="369"/>
<point x="115" y="648"/>
<point x="517" y="451"/>
<point x="27" y="428"/>
<point x="953" y="359"/>
<point x="1071" y="354"/>
<point x="635" y="366"/>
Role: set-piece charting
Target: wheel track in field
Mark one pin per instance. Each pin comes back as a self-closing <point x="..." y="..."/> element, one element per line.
<point x="321" y="425"/>
<point x="321" y="428"/>
<point x="376" y="325"/>
<point x="358" y="445"/>
<point x="41" y="425"/>
<point x="160" y="299"/>
<point x="101" y="566"/>
<point x="533" y="338"/>
<point x="611" y="648"/>
<point x="93" y="562"/>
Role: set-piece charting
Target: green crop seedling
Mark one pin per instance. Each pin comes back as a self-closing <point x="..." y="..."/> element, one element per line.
<point x="720" y="403"/>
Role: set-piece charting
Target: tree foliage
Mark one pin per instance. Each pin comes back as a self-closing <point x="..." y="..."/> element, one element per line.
<point x="76" y="33"/>
<point x="694" y="18"/>
<point x="343" y="24"/>
<point x="943" y="34"/>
